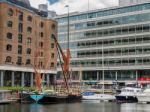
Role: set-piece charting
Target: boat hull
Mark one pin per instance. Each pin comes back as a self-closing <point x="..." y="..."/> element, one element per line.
<point x="143" y="98"/>
<point x="100" y="97"/>
<point x="50" y="99"/>
<point x="126" y="99"/>
<point x="25" y="98"/>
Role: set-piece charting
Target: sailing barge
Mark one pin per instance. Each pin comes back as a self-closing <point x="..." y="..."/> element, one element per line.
<point x="49" y="98"/>
<point x="52" y="97"/>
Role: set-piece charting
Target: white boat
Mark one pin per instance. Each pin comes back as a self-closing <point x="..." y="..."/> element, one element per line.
<point x="102" y="96"/>
<point x="128" y="95"/>
<point x="144" y="96"/>
<point x="96" y="96"/>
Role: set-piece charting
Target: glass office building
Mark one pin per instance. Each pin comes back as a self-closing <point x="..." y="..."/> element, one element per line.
<point x="129" y="2"/>
<point x="117" y="37"/>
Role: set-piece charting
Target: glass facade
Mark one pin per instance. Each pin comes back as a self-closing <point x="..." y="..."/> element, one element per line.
<point x="119" y="38"/>
<point x="108" y="12"/>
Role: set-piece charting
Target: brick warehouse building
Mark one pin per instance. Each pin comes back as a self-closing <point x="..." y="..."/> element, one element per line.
<point x="24" y="33"/>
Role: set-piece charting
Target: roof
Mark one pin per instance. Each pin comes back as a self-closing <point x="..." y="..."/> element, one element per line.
<point x="26" y="4"/>
<point x="23" y="3"/>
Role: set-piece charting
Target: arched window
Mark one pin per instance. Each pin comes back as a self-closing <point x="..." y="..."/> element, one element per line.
<point x="8" y="59"/>
<point x="9" y="35"/>
<point x="41" y="54"/>
<point x="10" y="12"/>
<point x="52" y="45"/>
<point x="9" y="47"/>
<point x="28" y="61"/>
<point x="53" y="26"/>
<point x="20" y="38"/>
<point x="52" y="36"/>
<point x="29" y="18"/>
<point x="28" y="51"/>
<point x="10" y="24"/>
<point x="52" y="64"/>
<point x="40" y="64"/>
<point x="41" y="24"/>
<point x="20" y="15"/>
<point x="29" y="40"/>
<point x="29" y="29"/>
<point x="41" y="44"/>
<point x="19" y="49"/>
<point x="52" y="55"/>
<point x="41" y="34"/>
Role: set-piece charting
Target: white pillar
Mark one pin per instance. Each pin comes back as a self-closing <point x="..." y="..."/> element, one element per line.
<point x="47" y="77"/>
<point x="97" y="76"/>
<point x="22" y="79"/>
<point x="12" y="78"/>
<point x="136" y="75"/>
<point x="116" y="75"/>
<point x="31" y="80"/>
<point x="2" y="79"/>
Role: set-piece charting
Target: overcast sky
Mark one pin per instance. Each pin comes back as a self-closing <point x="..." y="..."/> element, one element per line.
<point x="75" y="5"/>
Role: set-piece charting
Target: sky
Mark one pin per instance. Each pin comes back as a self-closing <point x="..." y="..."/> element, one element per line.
<point x="74" y="5"/>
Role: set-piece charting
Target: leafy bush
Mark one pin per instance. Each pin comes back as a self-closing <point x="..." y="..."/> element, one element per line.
<point x="18" y="88"/>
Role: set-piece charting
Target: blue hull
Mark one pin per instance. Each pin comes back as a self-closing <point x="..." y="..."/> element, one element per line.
<point x="126" y="99"/>
<point x="37" y="97"/>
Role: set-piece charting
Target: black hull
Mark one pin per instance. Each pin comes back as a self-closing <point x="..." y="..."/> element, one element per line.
<point x="49" y="99"/>
<point x="126" y="99"/>
<point x="25" y="98"/>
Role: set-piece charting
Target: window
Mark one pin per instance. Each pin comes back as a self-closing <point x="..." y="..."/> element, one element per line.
<point x="20" y="27"/>
<point x="20" y="38"/>
<point x="28" y="40"/>
<point x="28" y="62"/>
<point x="53" y="26"/>
<point x="41" y="34"/>
<point x="41" y="24"/>
<point x="52" y="55"/>
<point x="28" y="51"/>
<point x="29" y="30"/>
<point x="8" y="59"/>
<point x="52" y="64"/>
<point x="19" y="49"/>
<point x="19" y="62"/>
<point x="91" y="15"/>
<point x="20" y="16"/>
<point x="10" y="12"/>
<point x="41" y="54"/>
<point x="10" y="24"/>
<point x="9" y="47"/>
<point x="52" y="45"/>
<point x="9" y="35"/>
<point x="53" y="36"/>
<point x="29" y="18"/>
<point x="41" y="44"/>
<point x="40" y="64"/>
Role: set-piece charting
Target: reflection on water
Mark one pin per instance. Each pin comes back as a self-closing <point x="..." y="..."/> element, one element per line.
<point x="77" y="107"/>
<point x="135" y="107"/>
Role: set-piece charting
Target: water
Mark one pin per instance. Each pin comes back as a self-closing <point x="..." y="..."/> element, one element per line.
<point x="77" y="107"/>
